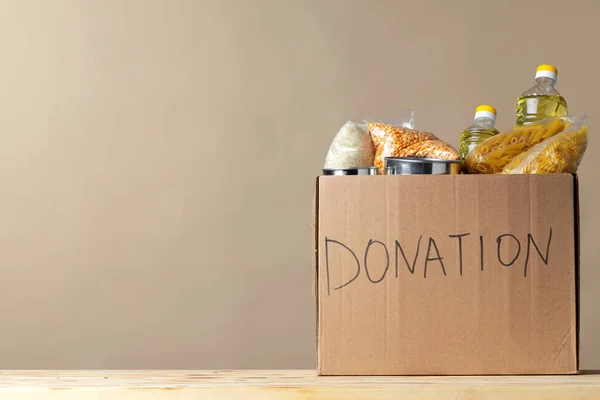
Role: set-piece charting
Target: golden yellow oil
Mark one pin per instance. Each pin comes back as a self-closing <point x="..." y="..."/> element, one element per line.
<point x="537" y="107"/>
<point x="472" y="137"/>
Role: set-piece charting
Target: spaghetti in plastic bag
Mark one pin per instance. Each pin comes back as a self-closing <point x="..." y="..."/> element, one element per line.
<point x="402" y="140"/>
<point x="559" y="154"/>
<point x="493" y="154"/>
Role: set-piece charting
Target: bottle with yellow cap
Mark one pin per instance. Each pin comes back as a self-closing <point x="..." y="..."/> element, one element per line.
<point x="542" y="100"/>
<point x="484" y="127"/>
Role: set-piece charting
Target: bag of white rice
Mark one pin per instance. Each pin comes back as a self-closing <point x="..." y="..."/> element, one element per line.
<point x="352" y="147"/>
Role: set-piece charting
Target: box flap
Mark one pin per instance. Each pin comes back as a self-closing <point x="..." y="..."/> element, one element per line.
<point x="577" y="259"/>
<point x="315" y="229"/>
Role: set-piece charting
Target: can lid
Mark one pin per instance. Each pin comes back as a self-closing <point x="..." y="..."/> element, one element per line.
<point x="547" y="71"/>
<point x="485" y="111"/>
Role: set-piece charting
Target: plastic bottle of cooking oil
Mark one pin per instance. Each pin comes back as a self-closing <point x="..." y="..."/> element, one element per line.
<point x="484" y="127"/>
<point x="542" y="100"/>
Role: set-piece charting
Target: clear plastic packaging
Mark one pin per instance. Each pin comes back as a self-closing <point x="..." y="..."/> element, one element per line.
<point x="559" y="154"/>
<point x="352" y="147"/>
<point x="402" y="140"/>
<point x="429" y="149"/>
<point x="492" y="155"/>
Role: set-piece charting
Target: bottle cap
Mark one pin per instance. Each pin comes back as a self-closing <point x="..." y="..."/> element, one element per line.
<point x="485" y="111"/>
<point x="547" y="71"/>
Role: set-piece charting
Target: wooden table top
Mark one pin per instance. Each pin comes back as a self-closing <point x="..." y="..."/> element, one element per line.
<point x="287" y="385"/>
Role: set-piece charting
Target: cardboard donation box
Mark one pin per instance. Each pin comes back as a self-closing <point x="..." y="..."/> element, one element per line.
<point x="447" y="274"/>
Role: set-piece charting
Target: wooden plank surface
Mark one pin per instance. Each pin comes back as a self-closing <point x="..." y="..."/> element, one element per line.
<point x="286" y="385"/>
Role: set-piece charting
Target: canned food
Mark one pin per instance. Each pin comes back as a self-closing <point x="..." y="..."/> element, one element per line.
<point x="420" y="166"/>
<point x="351" y="171"/>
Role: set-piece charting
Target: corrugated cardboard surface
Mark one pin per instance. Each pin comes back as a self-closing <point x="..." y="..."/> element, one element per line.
<point x="384" y="309"/>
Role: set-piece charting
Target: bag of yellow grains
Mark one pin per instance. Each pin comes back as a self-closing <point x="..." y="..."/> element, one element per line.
<point x="401" y="140"/>
<point x="493" y="154"/>
<point x="559" y="154"/>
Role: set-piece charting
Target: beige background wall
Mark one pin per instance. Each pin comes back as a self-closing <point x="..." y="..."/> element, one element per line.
<point x="158" y="158"/>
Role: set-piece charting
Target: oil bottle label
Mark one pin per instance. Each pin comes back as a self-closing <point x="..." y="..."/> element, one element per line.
<point x="532" y="106"/>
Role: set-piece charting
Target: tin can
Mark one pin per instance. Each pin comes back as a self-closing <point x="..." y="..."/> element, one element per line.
<point x="351" y="171"/>
<point x="420" y="166"/>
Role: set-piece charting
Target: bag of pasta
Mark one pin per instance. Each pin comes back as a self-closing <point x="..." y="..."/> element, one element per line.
<point x="402" y="140"/>
<point x="559" y="154"/>
<point x="493" y="154"/>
